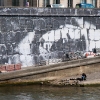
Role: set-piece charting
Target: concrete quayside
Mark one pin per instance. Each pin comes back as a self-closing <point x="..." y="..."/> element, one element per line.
<point x="56" y="74"/>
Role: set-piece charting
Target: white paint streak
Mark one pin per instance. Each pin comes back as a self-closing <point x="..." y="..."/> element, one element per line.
<point x="24" y="49"/>
<point x="24" y="45"/>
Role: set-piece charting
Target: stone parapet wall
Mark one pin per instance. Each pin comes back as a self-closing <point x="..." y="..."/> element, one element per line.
<point x="49" y="12"/>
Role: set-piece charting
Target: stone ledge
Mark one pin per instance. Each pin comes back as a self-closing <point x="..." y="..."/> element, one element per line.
<point x="30" y="11"/>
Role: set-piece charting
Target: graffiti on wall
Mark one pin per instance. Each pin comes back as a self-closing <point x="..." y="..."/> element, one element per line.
<point x="30" y="40"/>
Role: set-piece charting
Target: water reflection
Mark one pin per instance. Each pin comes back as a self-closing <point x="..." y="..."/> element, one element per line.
<point x="49" y="93"/>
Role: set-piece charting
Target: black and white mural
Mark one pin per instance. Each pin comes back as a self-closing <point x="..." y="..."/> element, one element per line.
<point x="30" y="40"/>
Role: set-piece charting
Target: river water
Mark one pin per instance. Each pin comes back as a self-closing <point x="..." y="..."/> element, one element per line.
<point x="49" y="93"/>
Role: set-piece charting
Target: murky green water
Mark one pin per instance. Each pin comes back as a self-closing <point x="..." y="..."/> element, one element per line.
<point x="49" y="93"/>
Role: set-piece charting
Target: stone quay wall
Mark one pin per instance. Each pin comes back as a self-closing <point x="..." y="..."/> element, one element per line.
<point x="29" y="36"/>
